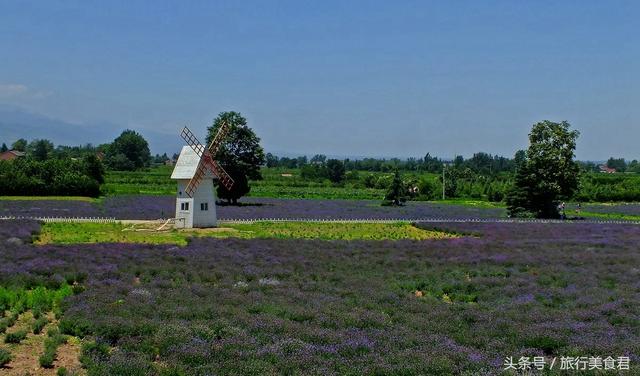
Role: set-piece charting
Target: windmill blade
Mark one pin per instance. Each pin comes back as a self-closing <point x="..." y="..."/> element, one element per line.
<point x="220" y="136"/>
<point x="222" y="175"/>
<point x="196" y="179"/>
<point x="192" y="141"/>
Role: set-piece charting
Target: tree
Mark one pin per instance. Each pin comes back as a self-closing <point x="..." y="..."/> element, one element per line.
<point x="548" y="173"/>
<point x="271" y="160"/>
<point x="94" y="168"/>
<point x="20" y="145"/>
<point x="240" y="154"/>
<point x="130" y="151"/>
<point x="40" y="150"/>
<point x="520" y="157"/>
<point x="318" y="159"/>
<point x="619" y="164"/>
<point x="335" y="170"/>
<point x="3" y="148"/>
<point x="397" y="194"/>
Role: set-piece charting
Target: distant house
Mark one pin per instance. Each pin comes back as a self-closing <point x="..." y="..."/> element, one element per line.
<point x="11" y="155"/>
<point x="607" y="170"/>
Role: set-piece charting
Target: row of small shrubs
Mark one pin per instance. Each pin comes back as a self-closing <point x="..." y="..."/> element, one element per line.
<point x="39" y="299"/>
<point x="51" y="343"/>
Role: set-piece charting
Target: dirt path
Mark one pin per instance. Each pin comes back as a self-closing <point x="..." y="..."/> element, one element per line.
<point x="25" y="354"/>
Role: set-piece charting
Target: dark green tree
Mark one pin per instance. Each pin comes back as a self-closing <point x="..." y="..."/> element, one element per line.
<point x="520" y="158"/>
<point x="94" y="168"/>
<point x="271" y="160"/>
<point x="548" y="174"/>
<point x="335" y="170"/>
<point x="397" y="193"/>
<point x="240" y="154"/>
<point x="3" y="148"/>
<point x="618" y="163"/>
<point x="319" y="159"/>
<point x="40" y="150"/>
<point x="20" y="145"/>
<point x="130" y="151"/>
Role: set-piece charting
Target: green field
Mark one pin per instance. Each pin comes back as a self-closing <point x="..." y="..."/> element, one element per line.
<point x="74" y="233"/>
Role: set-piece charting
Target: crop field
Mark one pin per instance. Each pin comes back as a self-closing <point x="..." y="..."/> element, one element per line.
<point x="448" y="306"/>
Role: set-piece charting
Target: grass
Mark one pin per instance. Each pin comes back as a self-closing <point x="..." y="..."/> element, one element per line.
<point x="472" y="203"/>
<point x="606" y="216"/>
<point x="74" y="233"/>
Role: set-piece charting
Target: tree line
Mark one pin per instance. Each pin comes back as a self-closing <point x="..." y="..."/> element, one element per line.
<point x="483" y="163"/>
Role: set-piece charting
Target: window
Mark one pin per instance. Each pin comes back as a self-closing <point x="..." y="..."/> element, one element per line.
<point x="204" y="206"/>
<point x="184" y="206"/>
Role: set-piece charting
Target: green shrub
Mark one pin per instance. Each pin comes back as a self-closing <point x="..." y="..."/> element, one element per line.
<point x="5" y="357"/>
<point x="15" y="337"/>
<point x="46" y="359"/>
<point x="51" y="344"/>
<point x="62" y="372"/>
<point x="39" y="324"/>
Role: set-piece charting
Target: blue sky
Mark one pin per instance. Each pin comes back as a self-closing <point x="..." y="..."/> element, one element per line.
<point x="343" y="78"/>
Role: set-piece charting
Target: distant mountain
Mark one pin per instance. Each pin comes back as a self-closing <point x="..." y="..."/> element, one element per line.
<point x="18" y="123"/>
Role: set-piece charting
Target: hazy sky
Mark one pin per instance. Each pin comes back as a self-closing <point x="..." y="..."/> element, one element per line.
<point x="345" y="78"/>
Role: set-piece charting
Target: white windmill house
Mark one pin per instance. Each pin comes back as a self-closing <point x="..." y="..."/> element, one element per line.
<point x="195" y="171"/>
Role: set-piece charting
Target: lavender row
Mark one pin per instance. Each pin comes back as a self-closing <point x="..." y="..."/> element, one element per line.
<point x="154" y="207"/>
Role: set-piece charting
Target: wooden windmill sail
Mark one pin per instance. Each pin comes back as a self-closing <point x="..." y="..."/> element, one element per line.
<point x="207" y="163"/>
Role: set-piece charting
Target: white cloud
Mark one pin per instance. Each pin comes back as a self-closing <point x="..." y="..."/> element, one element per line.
<point x="20" y="91"/>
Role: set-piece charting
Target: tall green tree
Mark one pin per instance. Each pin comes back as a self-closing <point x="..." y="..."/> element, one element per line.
<point x="240" y="154"/>
<point x="548" y="173"/>
<point x="40" y="150"/>
<point x="3" y="148"/>
<point x="618" y="163"/>
<point x="335" y="170"/>
<point x="397" y="193"/>
<point x="129" y="151"/>
<point x="20" y="145"/>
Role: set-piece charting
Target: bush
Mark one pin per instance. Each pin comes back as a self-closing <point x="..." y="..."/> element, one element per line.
<point x="39" y="324"/>
<point x="51" y="344"/>
<point x="15" y="337"/>
<point x="5" y="357"/>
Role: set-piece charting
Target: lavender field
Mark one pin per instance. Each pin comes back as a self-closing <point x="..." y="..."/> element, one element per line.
<point x="624" y="209"/>
<point x="154" y="207"/>
<point x="266" y="306"/>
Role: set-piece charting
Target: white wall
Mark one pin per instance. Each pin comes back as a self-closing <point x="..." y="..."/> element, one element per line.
<point x="196" y="217"/>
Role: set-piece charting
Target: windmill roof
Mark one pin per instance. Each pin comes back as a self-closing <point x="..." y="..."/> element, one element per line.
<point x="187" y="164"/>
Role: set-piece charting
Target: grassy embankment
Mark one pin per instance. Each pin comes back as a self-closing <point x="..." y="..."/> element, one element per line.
<point x="71" y="233"/>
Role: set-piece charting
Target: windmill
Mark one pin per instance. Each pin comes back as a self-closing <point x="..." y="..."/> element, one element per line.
<point x="195" y="171"/>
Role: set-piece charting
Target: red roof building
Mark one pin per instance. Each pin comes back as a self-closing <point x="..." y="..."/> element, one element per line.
<point x="11" y="155"/>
